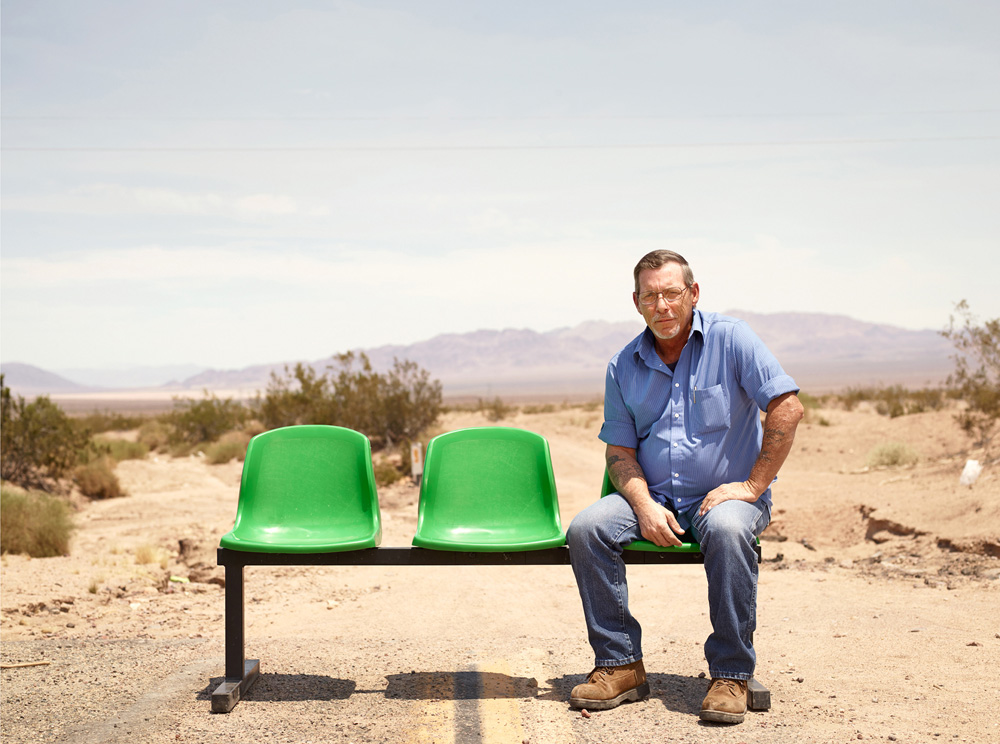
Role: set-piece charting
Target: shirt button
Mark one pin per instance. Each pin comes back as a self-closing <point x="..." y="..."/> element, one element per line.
<point x="677" y="384"/>
<point x="677" y="475"/>
<point x="677" y="415"/>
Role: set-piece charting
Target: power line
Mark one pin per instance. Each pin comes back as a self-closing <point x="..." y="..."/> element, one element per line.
<point x="544" y="117"/>
<point x="506" y="148"/>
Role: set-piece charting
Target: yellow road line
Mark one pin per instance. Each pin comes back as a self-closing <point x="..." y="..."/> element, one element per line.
<point x="499" y="707"/>
<point x="434" y="710"/>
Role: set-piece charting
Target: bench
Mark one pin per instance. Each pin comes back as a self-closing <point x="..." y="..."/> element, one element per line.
<point x="308" y="498"/>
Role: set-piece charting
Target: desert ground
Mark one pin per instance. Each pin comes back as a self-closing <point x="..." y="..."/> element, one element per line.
<point x="878" y="620"/>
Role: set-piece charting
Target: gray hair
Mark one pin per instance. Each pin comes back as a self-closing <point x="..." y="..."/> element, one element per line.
<point x="656" y="259"/>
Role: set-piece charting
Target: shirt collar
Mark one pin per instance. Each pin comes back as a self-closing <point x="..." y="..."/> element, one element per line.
<point x="647" y="350"/>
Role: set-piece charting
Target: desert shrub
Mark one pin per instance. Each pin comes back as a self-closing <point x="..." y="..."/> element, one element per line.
<point x="231" y="445"/>
<point x="893" y="400"/>
<point x="98" y="422"/>
<point x="156" y="434"/>
<point x="388" y="407"/>
<point x="37" y="524"/>
<point x="146" y="554"/>
<point x="496" y="409"/>
<point x="39" y="442"/>
<point x="891" y="455"/>
<point x="810" y="402"/>
<point x="97" y="480"/>
<point x="386" y="473"/>
<point x="120" y="449"/>
<point x="205" y="420"/>
<point x="539" y="408"/>
<point x="977" y="372"/>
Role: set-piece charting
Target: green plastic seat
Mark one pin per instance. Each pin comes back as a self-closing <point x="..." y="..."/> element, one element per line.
<point x="488" y="489"/>
<point x="646" y="545"/>
<point x="307" y="489"/>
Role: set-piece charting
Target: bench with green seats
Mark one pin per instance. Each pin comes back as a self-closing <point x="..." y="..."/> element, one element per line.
<point x="308" y="497"/>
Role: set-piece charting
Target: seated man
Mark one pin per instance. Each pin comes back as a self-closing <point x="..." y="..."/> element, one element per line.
<point x="687" y="453"/>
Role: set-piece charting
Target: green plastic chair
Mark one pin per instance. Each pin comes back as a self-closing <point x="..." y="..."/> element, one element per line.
<point x="646" y="545"/>
<point x="488" y="489"/>
<point x="307" y="489"/>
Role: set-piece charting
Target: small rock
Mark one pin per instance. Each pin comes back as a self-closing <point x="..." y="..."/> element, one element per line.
<point x="584" y="713"/>
<point x="800" y="679"/>
<point x="974" y="643"/>
<point x="701" y="675"/>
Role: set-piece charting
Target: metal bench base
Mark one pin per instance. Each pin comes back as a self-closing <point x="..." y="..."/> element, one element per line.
<point x="241" y="672"/>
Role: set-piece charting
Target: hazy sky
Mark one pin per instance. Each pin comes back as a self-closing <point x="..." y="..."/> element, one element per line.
<point x="236" y="182"/>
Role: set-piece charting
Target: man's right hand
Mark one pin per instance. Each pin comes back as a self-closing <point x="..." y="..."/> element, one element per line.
<point x="658" y="525"/>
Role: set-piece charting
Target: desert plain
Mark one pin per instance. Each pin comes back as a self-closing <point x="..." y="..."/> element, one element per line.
<point x="878" y="614"/>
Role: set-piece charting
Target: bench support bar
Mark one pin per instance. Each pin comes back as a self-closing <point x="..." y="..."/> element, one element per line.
<point x="241" y="672"/>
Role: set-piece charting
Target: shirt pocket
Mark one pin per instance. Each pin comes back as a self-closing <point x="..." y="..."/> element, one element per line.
<point x="710" y="410"/>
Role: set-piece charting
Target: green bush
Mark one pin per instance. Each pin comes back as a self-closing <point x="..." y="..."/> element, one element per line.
<point x="496" y="409"/>
<point x="120" y="449"/>
<point x="389" y="408"/>
<point x="976" y="378"/>
<point x="232" y="445"/>
<point x="891" y="455"/>
<point x="40" y="443"/>
<point x="385" y="472"/>
<point x="34" y="523"/>
<point x="155" y="434"/>
<point x="205" y="420"/>
<point x="893" y="400"/>
<point x="98" y="422"/>
<point x="97" y="480"/>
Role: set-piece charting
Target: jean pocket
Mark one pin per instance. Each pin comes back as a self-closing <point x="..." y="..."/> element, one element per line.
<point x="710" y="410"/>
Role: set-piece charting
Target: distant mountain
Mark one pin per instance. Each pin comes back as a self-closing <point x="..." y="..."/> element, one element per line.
<point x="25" y="379"/>
<point x="822" y="352"/>
<point x="132" y="377"/>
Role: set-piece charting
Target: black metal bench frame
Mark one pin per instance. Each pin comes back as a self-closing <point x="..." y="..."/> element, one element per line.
<point x="241" y="672"/>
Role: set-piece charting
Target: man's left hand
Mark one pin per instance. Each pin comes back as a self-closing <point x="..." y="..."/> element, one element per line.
<point x="727" y="492"/>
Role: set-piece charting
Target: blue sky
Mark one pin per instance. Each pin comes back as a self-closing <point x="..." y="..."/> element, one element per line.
<point x="232" y="183"/>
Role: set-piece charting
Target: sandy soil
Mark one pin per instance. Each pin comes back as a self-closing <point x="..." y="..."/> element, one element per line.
<point x="878" y="615"/>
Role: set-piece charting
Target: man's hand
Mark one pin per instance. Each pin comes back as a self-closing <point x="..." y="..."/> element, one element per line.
<point x="782" y="418"/>
<point x="727" y="492"/>
<point x="658" y="525"/>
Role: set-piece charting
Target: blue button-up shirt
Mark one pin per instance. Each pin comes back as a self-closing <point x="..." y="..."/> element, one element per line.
<point x="697" y="426"/>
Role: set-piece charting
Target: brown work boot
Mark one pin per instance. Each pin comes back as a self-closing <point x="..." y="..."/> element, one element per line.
<point x="609" y="686"/>
<point x="726" y="701"/>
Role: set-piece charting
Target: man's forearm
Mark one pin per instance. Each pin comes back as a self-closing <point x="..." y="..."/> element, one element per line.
<point x="780" y="423"/>
<point x="627" y="475"/>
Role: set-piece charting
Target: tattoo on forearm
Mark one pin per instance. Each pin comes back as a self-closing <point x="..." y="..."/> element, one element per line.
<point x="622" y="470"/>
<point x="774" y="440"/>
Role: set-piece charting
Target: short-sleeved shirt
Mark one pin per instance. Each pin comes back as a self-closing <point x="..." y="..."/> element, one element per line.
<point x="698" y="425"/>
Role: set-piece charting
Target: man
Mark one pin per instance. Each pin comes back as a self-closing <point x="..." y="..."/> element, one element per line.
<point x="687" y="454"/>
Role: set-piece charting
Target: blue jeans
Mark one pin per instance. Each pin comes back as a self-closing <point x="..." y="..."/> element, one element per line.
<point x="727" y="536"/>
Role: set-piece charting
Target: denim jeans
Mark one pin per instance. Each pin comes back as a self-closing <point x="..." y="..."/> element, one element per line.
<point x="727" y="536"/>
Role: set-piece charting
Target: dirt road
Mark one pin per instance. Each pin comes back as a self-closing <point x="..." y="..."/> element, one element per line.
<point x="879" y="621"/>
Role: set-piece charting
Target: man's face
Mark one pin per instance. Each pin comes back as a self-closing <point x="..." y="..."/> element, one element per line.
<point x="667" y="320"/>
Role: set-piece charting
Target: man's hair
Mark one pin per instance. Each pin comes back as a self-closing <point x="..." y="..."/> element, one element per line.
<point x="656" y="259"/>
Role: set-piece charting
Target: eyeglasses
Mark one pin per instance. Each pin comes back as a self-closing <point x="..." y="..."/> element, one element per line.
<point x="671" y="295"/>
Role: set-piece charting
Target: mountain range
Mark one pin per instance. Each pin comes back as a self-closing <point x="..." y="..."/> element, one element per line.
<point x="822" y="352"/>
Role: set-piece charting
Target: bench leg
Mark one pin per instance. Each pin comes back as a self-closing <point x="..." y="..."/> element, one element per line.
<point x="758" y="696"/>
<point x="241" y="672"/>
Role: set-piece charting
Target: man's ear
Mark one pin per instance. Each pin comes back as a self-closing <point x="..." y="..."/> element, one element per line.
<point x="635" y="301"/>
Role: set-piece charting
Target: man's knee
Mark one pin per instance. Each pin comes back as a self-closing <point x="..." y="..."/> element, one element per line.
<point x="584" y="528"/>
<point x="730" y="524"/>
